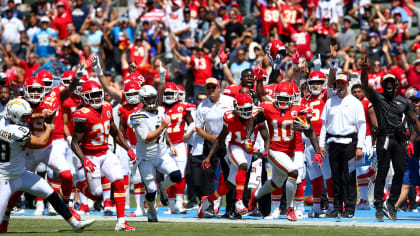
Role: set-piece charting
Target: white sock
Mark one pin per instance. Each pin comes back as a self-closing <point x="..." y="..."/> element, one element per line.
<point x="364" y="192"/>
<point x="120" y="220"/>
<point x="290" y="191"/>
<point x="73" y="222"/>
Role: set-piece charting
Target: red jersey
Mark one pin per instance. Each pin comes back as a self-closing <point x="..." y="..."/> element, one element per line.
<point x="177" y="114"/>
<point x="290" y="15"/>
<point x="70" y="105"/>
<point x="124" y="112"/>
<point x="402" y="78"/>
<point x="366" y="105"/>
<point x="36" y="125"/>
<point x="316" y="103"/>
<point x="270" y="17"/>
<point x="280" y="127"/>
<point x="413" y="77"/>
<point x="28" y="69"/>
<point x="54" y="98"/>
<point x="374" y="80"/>
<point x="59" y="23"/>
<point x="238" y="129"/>
<point x="201" y="69"/>
<point x="269" y="89"/>
<point x="303" y="42"/>
<point x="95" y="141"/>
<point x="137" y="54"/>
<point x="320" y="29"/>
<point x="233" y="90"/>
<point x="399" y="37"/>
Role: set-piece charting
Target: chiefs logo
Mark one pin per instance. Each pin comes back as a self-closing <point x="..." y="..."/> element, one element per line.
<point x="294" y="114"/>
<point x="180" y="109"/>
<point x="108" y="114"/>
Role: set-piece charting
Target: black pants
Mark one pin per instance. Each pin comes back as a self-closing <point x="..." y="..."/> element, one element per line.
<point x="202" y="179"/>
<point x="396" y="153"/>
<point x="344" y="183"/>
<point x="192" y="196"/>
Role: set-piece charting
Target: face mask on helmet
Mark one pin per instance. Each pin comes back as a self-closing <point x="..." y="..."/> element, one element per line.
<point x="244" y="111"/>
<point x="170" y="97"/>
<point x="316" y="86"/>
<point x="150" y="102"/>
<point x="34" y="94"/>
<point x="47" y="85"/>
<point x="94" y="99"/>
<point x="132" y="97"/>
<point x="283" y="100"/>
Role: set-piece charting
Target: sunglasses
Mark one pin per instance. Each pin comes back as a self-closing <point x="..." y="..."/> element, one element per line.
<point x="211" y="87"/>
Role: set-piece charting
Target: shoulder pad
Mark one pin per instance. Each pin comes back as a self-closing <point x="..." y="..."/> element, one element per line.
<point x="20" y="133"/>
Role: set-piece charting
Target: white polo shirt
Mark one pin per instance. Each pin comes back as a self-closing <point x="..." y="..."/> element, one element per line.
<point x="210" y="115"/>
<point x="11" y="30"/>
<point x="343" y="117"/>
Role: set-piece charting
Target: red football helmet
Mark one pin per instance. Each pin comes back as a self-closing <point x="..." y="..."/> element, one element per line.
<point x="275" y="51"/>
<point x="82" y="80"/>
<point x="136" y="77"/>
<point x="243" y="105"/>
<point x="47" y="79"/>
<point x="131" y="92"/>
<point x="92" y="94"/>
<point x="316" y="82"/>
<point x="34" y="90"/>
<point x="67" y="77"/>
<point x="283" y="95"/>
<point x="181" y="93"/>
<point x="170" y="94"/>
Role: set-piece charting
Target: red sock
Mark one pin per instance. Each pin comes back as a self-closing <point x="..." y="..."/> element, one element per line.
<point x="221" y="190"/>
<point x="39" y="199"/>
<point x="276" y="195"/>
<point x="180" y="187"/>
<point x="240" y="184"/>
<point x="330" y="191"/>
<point x="171" y="192"/>
<point x="84" y="188"/>
<point x="119" y="197"/>
<point x="66" y="184"/>
<point x="300" y="192"/>
<point x="137" y="189"/>
<point x="126" y="182"/>
<point x="317" y="189"/>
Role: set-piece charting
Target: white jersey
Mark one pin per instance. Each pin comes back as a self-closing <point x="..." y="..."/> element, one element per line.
<point x="143" y="123"/>
<point x="331" y="8"/>
<point x="12" y="158"/>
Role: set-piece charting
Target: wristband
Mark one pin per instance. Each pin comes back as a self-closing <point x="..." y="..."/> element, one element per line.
<point x="333" y="63"/>
<point x="51" y="126"/>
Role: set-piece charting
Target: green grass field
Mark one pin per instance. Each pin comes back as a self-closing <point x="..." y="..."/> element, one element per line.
<point x="47" y="227"/>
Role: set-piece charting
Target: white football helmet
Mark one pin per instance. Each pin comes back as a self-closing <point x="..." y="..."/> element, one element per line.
<point x="19" y="111"/>
<point x="149" y="97"/>
<point x="170" y="94"/>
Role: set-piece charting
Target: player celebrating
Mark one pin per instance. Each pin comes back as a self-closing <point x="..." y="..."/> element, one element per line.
<point x="235" y="122"/>
<point x="318" y="170"/>
<point x="93" y="124"/>
<point x="150" y="125"/>
<point x="178" y="113"/>
<point x="15" y="136"/>
<point x="282" y="118"/>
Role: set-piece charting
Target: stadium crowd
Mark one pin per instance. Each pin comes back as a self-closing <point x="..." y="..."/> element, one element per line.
<point x="194" y="100"/>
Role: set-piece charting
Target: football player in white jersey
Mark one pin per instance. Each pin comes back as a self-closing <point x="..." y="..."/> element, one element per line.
<point x="14" y="136"/>
<point x="150" y="124"/>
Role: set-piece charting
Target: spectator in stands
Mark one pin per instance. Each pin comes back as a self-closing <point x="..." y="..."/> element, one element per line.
<point x="106" y="6"/>
<point x="398" y="33"/>
<point x="13" y="32"/>
<point x="187" y="26"/>
<point x="79" y="13"/>
<point x="44" y="42"/>
<point x="346" y="39"/>
<point x="233" y="26"/>
<point x="332" y="9"/>
<point x="94" y="35"/>
<point x="152" y="35"/>
<point x="73" y="35"/>
<point x="415" y="46"/>
<point x="16" y="13"/>
<point x="373" y="51"/>
<point x="41" y="8"/>
<point x="32" y="28"/>
<point x="239" y="65"/>
<point x="412" y="71"/>
<point x="323" y="33"/>
<point x="60" y="20"/>
<point x="396" y="7"/>
<point x="29" y="67"/>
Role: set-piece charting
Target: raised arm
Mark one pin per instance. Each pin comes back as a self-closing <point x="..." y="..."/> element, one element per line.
<point x="115" y="93"/>
<point x="369" y="91"/>
<point x="333" y="65"/>
<point x="226" y="71"/>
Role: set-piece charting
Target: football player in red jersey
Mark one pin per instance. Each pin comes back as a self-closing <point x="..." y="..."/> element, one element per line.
<point x="181" y="93"/>
<point x="282" y="119"/>
<point x="239" y="159"/>
<point x="93" y="124"/>
<point x="179" y="114"/>
<point x="132" y="98"/>
<point x="52" y="155"/>
<point x="365" y="174"/>
<point x="318" y="173"/>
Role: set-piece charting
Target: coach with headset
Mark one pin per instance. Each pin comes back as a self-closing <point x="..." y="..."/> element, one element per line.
<point x="392" y="143"/>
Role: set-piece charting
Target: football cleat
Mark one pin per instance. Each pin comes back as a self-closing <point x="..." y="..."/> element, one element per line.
<point x="74" y="213"/>
<point x="180" y="208"/>
<point x="240" y="208"/>
<point x="291" y="216"/>
<point x="253" y="201"/>
<point x="191" y="206"/>
<point x="108" y="207"/>
<point x="216" y="205"/>
<point x="363" y="205"/>
<point x="39" y="210"/>
<point x="124" y="227"/>
<point x="315" y="211"/>
<point x="83" y="209"/>
<point x="205" y="203"/>
<point x="137" y="212"/>
<point x="81" y="225"/>
<point x="274" y="215"/>
<point x="152" y="214"/>
<point x="300" y="212"/>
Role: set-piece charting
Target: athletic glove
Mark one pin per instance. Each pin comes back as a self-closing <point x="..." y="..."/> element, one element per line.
<point x="223" y="56"/>
<point x="132" y="155"/>
<point x="88" y="165"/>
<point x="410" y="149"/>
<point x="248" y="145"/>
<point x="317" y="158"/>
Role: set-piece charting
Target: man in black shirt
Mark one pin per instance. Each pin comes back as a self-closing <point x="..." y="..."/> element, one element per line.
<point x="233" y="27"/>
<point x="391" y="139"/>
